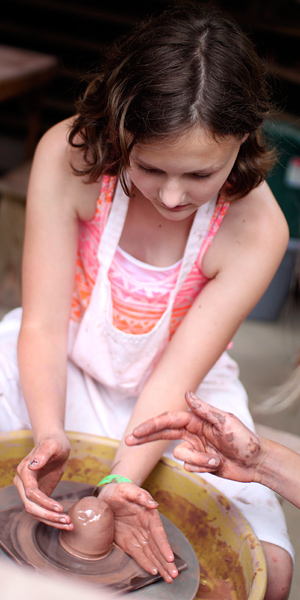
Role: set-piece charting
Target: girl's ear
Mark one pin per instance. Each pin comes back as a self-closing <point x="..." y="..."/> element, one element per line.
<point x="245" y="138"/>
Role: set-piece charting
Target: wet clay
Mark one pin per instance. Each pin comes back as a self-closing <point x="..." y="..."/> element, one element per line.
<point x="93" y="533"/>
<point x="213" y="588"/>
<point x="29" y="542"/>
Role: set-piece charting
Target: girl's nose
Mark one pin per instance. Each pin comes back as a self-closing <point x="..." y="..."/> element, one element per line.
<point x="171" y="193"/>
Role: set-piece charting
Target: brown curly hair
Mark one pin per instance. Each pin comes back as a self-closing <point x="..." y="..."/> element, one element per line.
<point x="188" y="66"/>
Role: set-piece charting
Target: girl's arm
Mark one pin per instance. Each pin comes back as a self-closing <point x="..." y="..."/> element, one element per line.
<point x="241" y="262"/>
<point x="51" y="232"/>
<point x="57" y="199"/>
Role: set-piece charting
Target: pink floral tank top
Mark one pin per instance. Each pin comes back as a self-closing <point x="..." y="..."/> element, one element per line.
<point x="138" y="301"/>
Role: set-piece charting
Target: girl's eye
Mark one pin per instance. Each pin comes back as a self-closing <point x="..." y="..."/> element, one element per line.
<point x="201" y="175"/>
<point x="156" y="171"/>
<point x="146" y="169"/>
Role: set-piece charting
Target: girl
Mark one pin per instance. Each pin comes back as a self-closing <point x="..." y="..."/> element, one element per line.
<point x="153" y="201"/>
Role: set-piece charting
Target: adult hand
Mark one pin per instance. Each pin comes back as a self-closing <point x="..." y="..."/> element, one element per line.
<point x="138" y="528"/>
<point x="214" y="441"/>
<point x="37" y="476"/>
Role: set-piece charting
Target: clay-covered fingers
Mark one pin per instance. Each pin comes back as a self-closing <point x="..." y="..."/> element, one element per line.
<point x="41" y="507"/>
<point x="168" y="571"/>
<point x="157" y="547"/>
<point x="26" y="483"/>
<point x="53" y="516"/>
<point x="161" y="548"/>
<point x="205" y="411"/>
<point x="30" y="493"/>
<point x="196" y="461"/>
<point x="37" y="476"/>
<point x="225" y="432"/>
<point x="137" y="542"/>
<point x="167" y="426"/>
<point x="138" y="528"/>
<point x="150" y="558"/>
<point x="145" y="540"/>
<point x="123" y="498"/>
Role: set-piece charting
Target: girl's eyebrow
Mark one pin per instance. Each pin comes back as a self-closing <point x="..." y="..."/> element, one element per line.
<point x="208" y="171"/>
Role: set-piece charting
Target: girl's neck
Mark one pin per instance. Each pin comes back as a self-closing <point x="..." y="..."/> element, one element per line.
<point x="150" y="237"/>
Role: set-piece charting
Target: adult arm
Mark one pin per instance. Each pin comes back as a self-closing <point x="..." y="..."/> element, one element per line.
<point x="279" y="470"/>
<point x="218" y="442"/>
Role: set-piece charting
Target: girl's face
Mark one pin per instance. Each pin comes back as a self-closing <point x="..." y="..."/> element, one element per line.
<point x="179" y="176"/>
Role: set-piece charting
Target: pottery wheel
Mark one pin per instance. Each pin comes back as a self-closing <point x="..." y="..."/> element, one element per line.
<point x="30" y="542"/>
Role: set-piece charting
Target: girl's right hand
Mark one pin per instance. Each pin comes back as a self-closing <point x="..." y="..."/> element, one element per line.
<point x="37" y="476"/>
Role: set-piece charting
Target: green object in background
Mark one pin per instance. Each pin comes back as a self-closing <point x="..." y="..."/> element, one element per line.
<point x="284" y="180"/>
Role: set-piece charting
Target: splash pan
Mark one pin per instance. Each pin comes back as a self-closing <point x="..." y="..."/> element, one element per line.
<point x="230" y="556"/>
<point x="37" y="545"/>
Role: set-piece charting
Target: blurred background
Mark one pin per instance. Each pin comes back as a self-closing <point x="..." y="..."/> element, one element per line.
<point x="48" y="46"/>
<point x="77" y="32"/>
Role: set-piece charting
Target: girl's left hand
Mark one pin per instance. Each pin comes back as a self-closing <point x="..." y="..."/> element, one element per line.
<point x="139" y="530"/>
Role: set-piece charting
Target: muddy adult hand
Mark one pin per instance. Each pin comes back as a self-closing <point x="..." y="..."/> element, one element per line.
<point x="214" y="441"/>
<point x="37" y="476"/>
<point x="139" y="530"/>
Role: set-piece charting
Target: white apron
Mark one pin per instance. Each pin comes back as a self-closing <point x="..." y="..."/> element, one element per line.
<point x="107" y="370"/>
<point x="122" y="361"/>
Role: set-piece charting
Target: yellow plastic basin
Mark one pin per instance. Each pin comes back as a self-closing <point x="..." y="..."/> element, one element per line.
<point x="231" y="558"/>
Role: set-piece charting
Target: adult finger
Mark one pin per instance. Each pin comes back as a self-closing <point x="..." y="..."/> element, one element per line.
<point x="165" y="421"/>
<point x="165" y="434"/>
<point x="207" y="412"/>
<point x="200" y="460"/>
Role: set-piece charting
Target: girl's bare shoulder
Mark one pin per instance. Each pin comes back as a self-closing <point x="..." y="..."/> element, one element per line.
<point x="54" y="143"/>
<point x="258" y="213"/>
<point x="52" y="171"/>
<point x="252" y="225"/>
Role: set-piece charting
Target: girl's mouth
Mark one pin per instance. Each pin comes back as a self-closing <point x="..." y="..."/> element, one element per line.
<point x="175" y="208"/>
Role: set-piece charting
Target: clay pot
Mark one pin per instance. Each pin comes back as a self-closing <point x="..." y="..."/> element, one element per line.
<point x="93" y="533"/>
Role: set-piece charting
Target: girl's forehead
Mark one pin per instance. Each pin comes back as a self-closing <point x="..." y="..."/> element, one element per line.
<point x="193" y="139"/>
<point x="193" y="143"/>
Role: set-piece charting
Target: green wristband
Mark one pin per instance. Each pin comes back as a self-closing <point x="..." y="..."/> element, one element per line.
<point x="114" y="479"/>
<point x="109" y="479"/>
